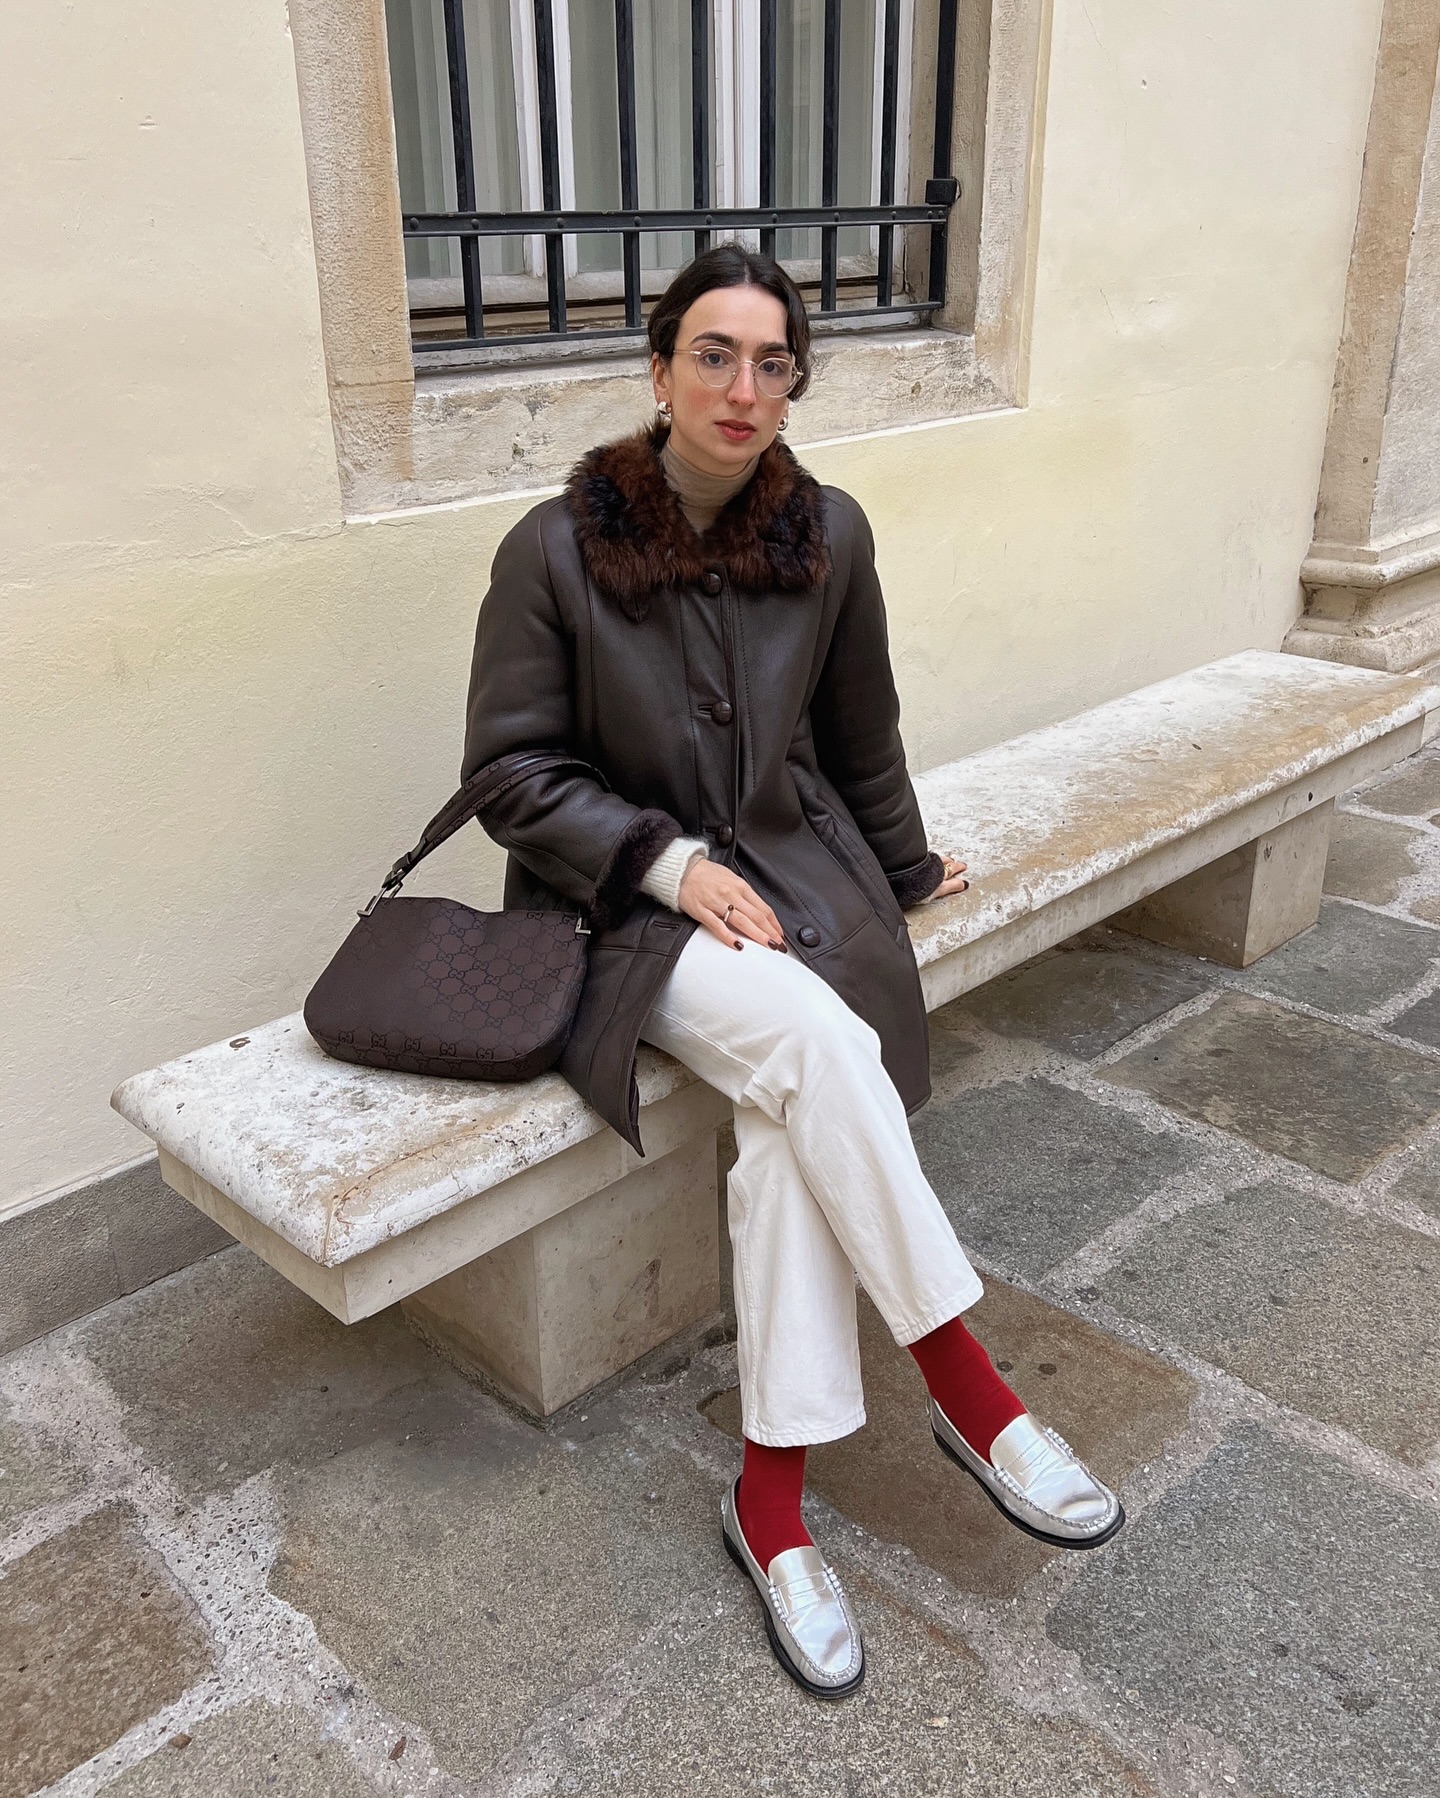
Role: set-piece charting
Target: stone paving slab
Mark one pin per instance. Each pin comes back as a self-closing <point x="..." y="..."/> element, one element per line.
<point x="1329" y="1313"/>
<point x="952" y="1054"/>
<point x="93" y="1639"/>
<point x="1369" y="858"/>
<point x="1420" y="1022"/>
<point x="474" y="1579"/>
<point x="33" y="1471"/>
<point x="1116" y="1405"/>
<point x="1284" y="1604"/>
<point x="1084" y="997"/>
<point x="1350" y="963"/>
<point x="234" y="1341"/>
<point x="253" y="1750"/>
<point x="1029" y="1171"/>
<point x="716" y="1715"/>
<point x="1418" y="1183"/>
<point x="1413" y="791"/>
<point x="1300" y="1087"/>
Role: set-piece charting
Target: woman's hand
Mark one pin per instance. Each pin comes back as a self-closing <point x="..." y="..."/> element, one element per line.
<point x="954" y="881"/>
<point x="728" y="906"/>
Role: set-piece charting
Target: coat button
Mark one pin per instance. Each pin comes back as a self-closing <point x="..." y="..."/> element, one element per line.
<point x="809" y="935"/>
<point x="712" y="582"/>
<point x="722" y="711"/>
<point x="724" y="836"/>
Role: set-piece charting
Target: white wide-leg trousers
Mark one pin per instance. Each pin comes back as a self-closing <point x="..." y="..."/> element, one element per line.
<point x="827" y="1185"/>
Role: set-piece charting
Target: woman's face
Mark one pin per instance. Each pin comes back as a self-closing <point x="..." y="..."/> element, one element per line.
<point x="721" y="429"/>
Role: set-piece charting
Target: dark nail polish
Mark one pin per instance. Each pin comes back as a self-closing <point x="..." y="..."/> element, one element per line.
<point x="774" y="944"/>
<point x="738" y="943"/>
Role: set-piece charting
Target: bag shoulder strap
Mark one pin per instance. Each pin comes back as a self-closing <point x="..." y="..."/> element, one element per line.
<point x="483" y="788"/>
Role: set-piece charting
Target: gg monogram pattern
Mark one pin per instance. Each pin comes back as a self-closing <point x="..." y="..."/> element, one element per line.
<point x="429" y="986"/>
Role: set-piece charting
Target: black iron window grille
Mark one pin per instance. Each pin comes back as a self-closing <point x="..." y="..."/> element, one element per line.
<point x="472" y="320"/>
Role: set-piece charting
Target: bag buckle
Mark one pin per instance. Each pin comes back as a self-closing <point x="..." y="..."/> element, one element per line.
<point x="388" y="888"/>
<point x="581" y="927"/>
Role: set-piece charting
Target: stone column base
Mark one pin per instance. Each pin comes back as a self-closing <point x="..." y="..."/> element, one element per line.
<point x="1381" y="613"/>
<point x="1247" y="903"/>
<point x="549" y="1314"/>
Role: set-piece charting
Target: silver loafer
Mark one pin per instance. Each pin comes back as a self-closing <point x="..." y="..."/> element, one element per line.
<point x="807" y="1615"/>
<point x="1036" y="1479"/>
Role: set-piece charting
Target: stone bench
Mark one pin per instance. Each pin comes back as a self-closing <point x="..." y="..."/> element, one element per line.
<point x="527" y="1241"/>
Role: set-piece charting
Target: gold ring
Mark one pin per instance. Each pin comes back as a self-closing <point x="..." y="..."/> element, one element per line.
<point x="728" y="910"/>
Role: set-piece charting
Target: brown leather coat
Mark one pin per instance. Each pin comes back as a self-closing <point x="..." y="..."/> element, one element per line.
<point x="735" y="687"/>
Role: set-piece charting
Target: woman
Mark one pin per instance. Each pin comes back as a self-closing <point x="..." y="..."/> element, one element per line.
<point x="701" y="623"/>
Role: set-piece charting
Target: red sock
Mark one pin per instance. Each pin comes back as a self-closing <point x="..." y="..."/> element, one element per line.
<point x="965" y="1385"/>
<point x="771" y="1481"/>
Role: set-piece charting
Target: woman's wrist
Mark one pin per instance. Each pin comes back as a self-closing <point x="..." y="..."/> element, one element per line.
<point x="664" y="875"/>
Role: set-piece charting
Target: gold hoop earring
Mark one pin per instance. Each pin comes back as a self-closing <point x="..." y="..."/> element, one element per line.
<point x="663" y="411"/>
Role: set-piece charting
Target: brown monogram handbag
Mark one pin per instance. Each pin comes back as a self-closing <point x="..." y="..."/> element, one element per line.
<point x="430" y="986"/>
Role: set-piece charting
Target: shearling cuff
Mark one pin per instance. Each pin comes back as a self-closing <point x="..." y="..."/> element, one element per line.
<point x="626" y="865"/>
<point x="664" y="875"/>
<point x="911" y="885"/>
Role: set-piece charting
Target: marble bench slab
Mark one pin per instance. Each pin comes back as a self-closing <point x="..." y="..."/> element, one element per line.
<point x="363" y="1186"/>
<point x="1072" y="823"/>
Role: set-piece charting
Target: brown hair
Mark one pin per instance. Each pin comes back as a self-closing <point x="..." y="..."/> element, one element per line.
<point x="732" y="265"/>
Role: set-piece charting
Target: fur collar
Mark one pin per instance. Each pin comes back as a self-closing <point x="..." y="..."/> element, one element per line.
<point x="636" y="540"/>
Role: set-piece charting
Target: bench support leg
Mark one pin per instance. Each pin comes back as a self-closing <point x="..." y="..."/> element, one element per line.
<point x="551" y="1313"/>
<point x="1247" y="903"/>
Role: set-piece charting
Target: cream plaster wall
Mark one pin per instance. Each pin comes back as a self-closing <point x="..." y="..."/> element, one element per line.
<point x="222" y="712"/>
<point x="162" y="379"/>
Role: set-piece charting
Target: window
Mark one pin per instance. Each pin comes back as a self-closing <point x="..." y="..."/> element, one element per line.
<point x="559" y="159"/>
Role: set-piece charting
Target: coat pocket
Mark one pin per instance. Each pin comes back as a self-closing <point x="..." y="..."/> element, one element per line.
<point x="842" y="838"/>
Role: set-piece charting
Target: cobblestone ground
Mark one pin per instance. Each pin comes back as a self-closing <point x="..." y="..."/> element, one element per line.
<point x="249" y="1551"/>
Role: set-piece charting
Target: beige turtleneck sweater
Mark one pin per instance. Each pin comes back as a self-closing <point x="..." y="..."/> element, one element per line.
<point x="702" y="498"/>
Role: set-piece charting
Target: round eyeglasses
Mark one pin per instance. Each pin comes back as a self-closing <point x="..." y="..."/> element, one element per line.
<point x="716" y="366"/>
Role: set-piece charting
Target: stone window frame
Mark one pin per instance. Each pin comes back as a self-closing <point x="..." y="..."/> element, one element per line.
<point x="407" y="438"/>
